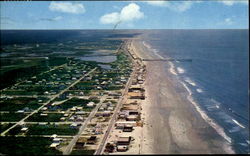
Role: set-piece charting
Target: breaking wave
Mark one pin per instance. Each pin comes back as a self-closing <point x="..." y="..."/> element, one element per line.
<point x="210" y="121"/>
<point x="191" y="82"/>
<point x="180" y="70"/>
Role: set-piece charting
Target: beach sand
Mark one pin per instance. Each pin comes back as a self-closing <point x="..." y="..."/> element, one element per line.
<point x="172" y="125"/>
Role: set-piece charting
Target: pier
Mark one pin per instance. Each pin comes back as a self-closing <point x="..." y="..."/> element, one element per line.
<point x="181" y="60"/>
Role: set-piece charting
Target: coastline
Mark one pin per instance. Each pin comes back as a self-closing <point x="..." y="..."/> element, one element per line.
<point x="172" y="125"/>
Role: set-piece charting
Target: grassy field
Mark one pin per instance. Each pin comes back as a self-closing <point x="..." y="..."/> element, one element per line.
<point x="5" y="126"/>
<point x="35" y="129"/>
<point x="26" y="146"/>
<point x="52" y="117"/>
<point x="19" y="103"/>
<point x="11" y="116"/>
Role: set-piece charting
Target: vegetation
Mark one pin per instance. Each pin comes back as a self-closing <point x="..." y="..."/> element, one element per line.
<point x="52" y="117"/>
<point x="26" y="146"/>
<point x="18" y="104"/>
<point x="82" y="152"/>
<point x="5" y="126"/>
<point x="51" y="129"/>
<point x="74" y="102"/>
<point x="11" y="117"/>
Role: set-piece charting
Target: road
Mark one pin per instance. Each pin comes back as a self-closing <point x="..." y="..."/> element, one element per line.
<point x="70" y="146"/>
<point x="53" y="97"/>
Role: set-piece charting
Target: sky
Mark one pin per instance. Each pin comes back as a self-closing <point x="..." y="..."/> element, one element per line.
<point x="124" y="15"/>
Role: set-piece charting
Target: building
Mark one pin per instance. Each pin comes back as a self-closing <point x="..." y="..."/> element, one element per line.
<point x="53" y="136"/>
<point x="127" y="128"/>
<point x="122" y="124"/>
<point x="54" y="145"/>
<point x="91" y="104"/>
<point x="136" y="95"/>
<point x="122" y="148"/>
<point x="132" y="118"/>
<point x="123" y="141"/>
<point x="109" y="148"/>
<point x="92" y="140"/>
<point x="80" y="143"/>
<point x="24" y="129"/>
<point x="57" y="140"/>
<point x="136" y="88"/>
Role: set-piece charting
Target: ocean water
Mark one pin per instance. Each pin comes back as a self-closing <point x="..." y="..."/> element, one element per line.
<point x="216" y="80"/>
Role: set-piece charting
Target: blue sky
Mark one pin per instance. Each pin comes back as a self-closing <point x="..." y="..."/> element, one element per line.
<point x="126" y="15"/>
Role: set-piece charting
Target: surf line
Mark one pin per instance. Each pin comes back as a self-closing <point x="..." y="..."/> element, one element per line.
<point x="217" y="128"/>
<point x="238" y="123"/>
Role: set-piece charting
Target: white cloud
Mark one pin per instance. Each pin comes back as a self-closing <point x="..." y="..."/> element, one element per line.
<point x="230" y="3"/>
<point x="228" y="21"/>
<point x="67" y="7"/>
<point x="128" y="13"/>
<point x="51" y="19"/>
<point x="178" y="6"/>
<point x="157" y="3"/>
<point x="111" y="18"/>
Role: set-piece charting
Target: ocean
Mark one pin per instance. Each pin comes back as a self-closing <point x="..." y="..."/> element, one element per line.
<point x="216" y="80"/>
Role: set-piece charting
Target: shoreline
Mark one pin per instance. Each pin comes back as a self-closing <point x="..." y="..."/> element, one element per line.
<point x="180" y="126"/>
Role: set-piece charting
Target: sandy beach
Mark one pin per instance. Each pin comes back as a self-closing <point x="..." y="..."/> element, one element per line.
<point x="172" y="125"/>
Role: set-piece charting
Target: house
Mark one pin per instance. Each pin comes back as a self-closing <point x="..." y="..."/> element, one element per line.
<point x="109" y="148"/>
<point x="106" y="113"/>
<point x="122" y="148"/>
<point x="42" y="123"/>
<point x="73" y="125"/>
<point x="101" y="109"/>
<point x="136" y="88"/>
<point x="65" y="115"/>
<point x="57" y="140"/>
<point x="130" y="107"/>
<point x="79" y="145"/>
<point x="72" y="118"/>
<point x="54" y="145"/>
<point x="92" y="140"/>
<point x="43" y="114"/>
<point x="24" y="129"/>
<point x="79" y="118"/>
<point x="53" y="136"/>
<point x="133" y="112"/>
<point x="90" y="104"/>
<point x="62" y="118"/>
<point x="110" y="108"/>
<point x="123" y="123"/>
<point x="123" y="141"/>
<point x="136" y="95"/>
<point x="132" y="118"/>
<point x="79" y="108"/>
<point x="20" y="111"/>
<point x="44" y="108"/>
<point x="128" y="128"/>
<point x="98" y="131"/>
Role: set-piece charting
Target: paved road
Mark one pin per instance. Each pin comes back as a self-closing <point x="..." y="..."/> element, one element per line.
<point x="70" y="146"/>
<point x="53" y="97"/>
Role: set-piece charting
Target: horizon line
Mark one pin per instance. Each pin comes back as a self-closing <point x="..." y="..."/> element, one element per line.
<point x="142" y="29"/>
